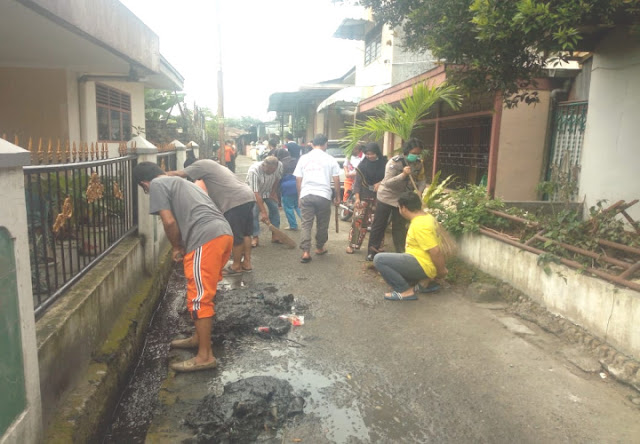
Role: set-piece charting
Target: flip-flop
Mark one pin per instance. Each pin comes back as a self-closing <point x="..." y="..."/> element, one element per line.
<point x="395" y="296"/>
<point x="325" y="251"/>
<point x="247" y="270"/>
<point x="305" y="260"/>
<point x="190" y="366"/>
<point x="228" y="271"/>
<point x="428" y="289"/>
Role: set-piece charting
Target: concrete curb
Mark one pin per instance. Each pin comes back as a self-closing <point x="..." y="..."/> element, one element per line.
<point x="89" y="407"/>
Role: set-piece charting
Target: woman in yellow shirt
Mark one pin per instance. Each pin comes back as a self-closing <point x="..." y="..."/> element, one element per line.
<point x="422" y="258"/>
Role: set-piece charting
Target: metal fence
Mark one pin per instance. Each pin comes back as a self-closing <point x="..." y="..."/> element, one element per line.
<point x="76" y="213"/>
<point x="167" y="161"/>
<point x="463" y="151"/>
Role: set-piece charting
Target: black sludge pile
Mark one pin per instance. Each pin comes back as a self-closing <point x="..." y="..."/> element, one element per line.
<point x="242" y="310"/>
<point x="248" y="410"/>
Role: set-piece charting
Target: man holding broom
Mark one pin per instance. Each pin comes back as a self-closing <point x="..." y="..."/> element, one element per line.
<point x="264" y="180"/>
<point x="423" y="259"/>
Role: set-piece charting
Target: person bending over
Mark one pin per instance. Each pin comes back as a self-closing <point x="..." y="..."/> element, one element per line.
<point x="202" y="239"/>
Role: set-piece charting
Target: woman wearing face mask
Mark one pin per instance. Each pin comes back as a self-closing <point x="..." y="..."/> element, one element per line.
<point x="396" y="181"/>
<point x="369" y="173"/>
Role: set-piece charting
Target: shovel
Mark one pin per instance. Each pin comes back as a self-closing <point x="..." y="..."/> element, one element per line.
<point x="279" y="235"/>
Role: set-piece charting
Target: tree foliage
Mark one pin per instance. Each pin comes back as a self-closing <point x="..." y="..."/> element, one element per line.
<point x="503" y="45"/>
<point x="403" y="119"/>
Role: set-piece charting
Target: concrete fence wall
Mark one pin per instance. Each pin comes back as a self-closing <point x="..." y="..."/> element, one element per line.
<point x="53" y="354"/>
<point x="605" y="310"/>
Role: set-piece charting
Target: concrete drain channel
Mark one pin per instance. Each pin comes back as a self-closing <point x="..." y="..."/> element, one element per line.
<point x="243" y="400"/>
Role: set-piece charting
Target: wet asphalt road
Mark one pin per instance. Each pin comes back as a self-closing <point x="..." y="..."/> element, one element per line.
<point x="440" y="369"/>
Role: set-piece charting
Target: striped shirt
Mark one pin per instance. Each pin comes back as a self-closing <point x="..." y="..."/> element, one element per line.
<point x="261" y="182"/>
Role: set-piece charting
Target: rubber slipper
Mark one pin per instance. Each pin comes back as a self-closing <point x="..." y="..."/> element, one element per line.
<point x="428" y="289"/>
<point x="190" y="366"/>
<point x="305" y="260"/>
<point x="321" y="252"/>
<point x="228" y="271"/>
<point x="247" y="270"/>
<point x="183" y="343"/>
<point x="276" y="241"/>
<point x="395" y="296"/>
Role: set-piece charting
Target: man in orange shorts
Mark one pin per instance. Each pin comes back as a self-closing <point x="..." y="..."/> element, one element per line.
<point x="201" y="237"/>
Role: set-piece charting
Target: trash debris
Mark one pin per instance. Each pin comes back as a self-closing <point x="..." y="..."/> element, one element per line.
<point x="295" y="320"/>
<point x="603" y="375"/>
<point x="262" y="329"/>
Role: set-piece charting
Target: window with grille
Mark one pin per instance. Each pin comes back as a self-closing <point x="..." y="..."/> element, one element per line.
<point x="373" y="48"/>
<point x="114" y="114"/>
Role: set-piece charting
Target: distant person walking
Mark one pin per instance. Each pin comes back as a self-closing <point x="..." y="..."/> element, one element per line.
<point x="314" y="173"/>
<point x="235" y="200"/>
<point x="288" y="188"/>
<point x="202" y="239"/>
<point x="264" y="180"/>
<point x="230" y="155"/>
<point x="293" y="148"/>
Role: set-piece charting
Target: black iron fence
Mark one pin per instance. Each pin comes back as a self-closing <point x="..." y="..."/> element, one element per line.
<point x="463" y="151"/>
<point x="167" y="161"/>
<point x="76" y="213"/>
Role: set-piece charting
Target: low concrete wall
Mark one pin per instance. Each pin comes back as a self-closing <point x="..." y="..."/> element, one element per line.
<point x="607" y="311"/>
<point x="74" y="327"/>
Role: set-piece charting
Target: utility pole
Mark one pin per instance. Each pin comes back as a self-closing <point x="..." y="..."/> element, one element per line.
<point x="221" y="153"/>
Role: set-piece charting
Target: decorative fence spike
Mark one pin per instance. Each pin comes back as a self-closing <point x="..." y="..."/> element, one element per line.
<point x="59" y="152"/>
<point x="74" y="152"/>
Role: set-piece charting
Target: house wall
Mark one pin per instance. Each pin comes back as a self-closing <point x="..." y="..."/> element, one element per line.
<point x="89" y="115"/>
<point x="377" y="72"/>
<point x="611" y="151"/>
<point x="33" y="103"/>
<point x="407" y="64"/>
<point x="523" y="134"/>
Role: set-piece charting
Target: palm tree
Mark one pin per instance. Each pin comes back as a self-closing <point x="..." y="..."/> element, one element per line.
<point x="403" y="119"/>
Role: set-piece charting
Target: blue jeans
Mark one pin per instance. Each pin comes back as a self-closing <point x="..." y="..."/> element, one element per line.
<point x="274" y="215"/>
<point x="399" y="270"/>
<point x="290" y="205"/>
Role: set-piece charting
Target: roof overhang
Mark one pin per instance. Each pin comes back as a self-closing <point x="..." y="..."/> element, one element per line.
<point x="349" y="97"/>
<point x="294" y="101"/>
<point x="433" y="77"/>
<point x="82" y="37"/>
<point x="353" y="29"/>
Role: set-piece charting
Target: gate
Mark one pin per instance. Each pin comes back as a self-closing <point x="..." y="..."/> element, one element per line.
<point x="567" y="136"/>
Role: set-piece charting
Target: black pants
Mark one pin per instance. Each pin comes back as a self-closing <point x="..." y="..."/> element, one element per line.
<point x="398" y="228"/>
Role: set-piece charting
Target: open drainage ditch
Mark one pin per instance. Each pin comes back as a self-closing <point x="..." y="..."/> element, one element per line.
<point x="261" y="388"/>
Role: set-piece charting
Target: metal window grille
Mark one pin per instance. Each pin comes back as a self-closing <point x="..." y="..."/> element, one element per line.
<point x="569" y="122"/>
<point x="114" y="114"/>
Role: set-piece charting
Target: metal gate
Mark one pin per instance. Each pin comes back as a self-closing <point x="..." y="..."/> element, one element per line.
<point x="569" y="121"/>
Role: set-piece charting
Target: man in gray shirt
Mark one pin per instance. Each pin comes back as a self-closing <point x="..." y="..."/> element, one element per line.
<point x="264" y="180"/>
<point x="236" y="201"/>
<point x="201" y="238"/>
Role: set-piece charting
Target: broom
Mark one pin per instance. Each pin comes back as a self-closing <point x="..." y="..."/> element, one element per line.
<point x="280" y="236"/>
<point x="448" y="246"/>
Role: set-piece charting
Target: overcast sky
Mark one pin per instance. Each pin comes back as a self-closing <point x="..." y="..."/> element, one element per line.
<point x="267" y="46"/>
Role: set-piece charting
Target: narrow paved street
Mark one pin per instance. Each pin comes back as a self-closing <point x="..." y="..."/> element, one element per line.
<point x="440" y="369"/>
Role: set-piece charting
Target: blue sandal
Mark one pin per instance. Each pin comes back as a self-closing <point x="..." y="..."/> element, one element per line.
<point x="428" y="289"/>
<point x="395" y="296"/>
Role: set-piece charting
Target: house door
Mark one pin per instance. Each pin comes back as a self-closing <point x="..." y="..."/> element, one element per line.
<point x="567" y="136"/>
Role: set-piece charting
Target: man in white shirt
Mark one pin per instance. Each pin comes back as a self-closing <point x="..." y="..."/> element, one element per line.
<point x="314" y="173"/>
